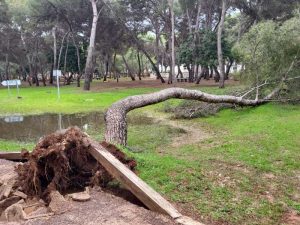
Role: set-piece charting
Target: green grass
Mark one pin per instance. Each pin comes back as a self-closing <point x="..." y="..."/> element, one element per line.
<point x="13" y="146"/>
<point x="39" y="100"/>
<point x="246" y="171"/>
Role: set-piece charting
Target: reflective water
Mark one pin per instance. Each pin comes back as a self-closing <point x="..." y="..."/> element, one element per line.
<point x="31" y="128"/>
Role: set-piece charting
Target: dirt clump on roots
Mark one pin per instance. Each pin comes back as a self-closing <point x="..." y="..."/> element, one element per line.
<point x="61" y="162"/>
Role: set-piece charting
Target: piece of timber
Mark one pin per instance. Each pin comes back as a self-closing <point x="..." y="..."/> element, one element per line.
<point x="11" y="156"/>
<point x="137" y="186"/>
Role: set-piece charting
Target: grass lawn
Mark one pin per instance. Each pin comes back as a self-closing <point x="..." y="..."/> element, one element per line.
<point x="244" y="170"/>
<point x="39" y="100"/>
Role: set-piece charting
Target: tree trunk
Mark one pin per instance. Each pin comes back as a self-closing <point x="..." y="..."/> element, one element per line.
<point x="54" y="48"/>
<point x="153" y="65"/>
<point x="115" y="117"/>
<point x="6" y="67"/>
<point x="228" y="67"/>
<point x="140" y="67"/>
<point x="66" y="56"/>
<point x="106" y="69"/>
<point x="61" y="50"/>
<point x="51" y="74"/>
<point x="89" y="61"/>
<point x="217" y="75"/>
<point x="78" y="60"/>
<point x="179" y="72"/>
<point x="157" y="50"/>
<point x="191" y="73"/>
<point x="220" y="51"/>
<point x="172" y="74"/>
<point x="128" y="69"/>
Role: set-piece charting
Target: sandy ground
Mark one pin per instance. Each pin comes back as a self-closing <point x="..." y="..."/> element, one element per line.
<point x="103" y="209"/>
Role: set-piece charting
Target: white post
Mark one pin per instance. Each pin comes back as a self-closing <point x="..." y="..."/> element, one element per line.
<point x="17" y="88"/>
<point x="7" y="82"/>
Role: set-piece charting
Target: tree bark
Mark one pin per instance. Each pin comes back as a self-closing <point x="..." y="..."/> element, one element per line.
<point x="89" y="61"/>
<point x="228" y="67"/>
<point x="128" y="69"/>
<point x="220" y="51"/>
<point x="61" y="50"/>
<point x="172" y="74"/>
<point x="6" y="67"/>
<point x="115" y="117"/>
<point x="78" y="59"/>
<point x="153" y="65"/>
<point x="54" y="48"/>
<point x="140" y="67"/>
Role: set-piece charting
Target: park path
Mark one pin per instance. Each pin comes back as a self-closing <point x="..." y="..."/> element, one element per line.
<point x="192" y="132"/>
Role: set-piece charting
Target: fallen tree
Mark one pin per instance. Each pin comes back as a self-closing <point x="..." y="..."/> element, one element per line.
<point x="115" y="117"/>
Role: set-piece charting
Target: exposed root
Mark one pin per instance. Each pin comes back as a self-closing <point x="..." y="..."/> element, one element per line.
<point x="61" y="162"/>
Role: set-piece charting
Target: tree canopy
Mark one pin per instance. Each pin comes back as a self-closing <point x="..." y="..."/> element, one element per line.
<point x="38" y="36"/>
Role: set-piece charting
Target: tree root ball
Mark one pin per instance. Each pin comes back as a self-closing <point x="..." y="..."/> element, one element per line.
<point x="61" y="161"/>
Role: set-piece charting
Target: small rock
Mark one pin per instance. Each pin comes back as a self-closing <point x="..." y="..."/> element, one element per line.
<point x="8" y="202"/>
<point x="20" y="194"/>
<point x="40" y="211"/>
<point x="58" y="204"/>
<point x="81" y="196"/>
<point x="14" y="213"/>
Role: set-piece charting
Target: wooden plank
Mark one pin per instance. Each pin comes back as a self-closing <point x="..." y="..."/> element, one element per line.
<point x="11" y="156"/>
<point x="137" y="186"/>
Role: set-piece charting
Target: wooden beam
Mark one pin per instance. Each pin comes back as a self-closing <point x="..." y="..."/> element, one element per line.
<point x="137" y="186"/>
<point x="14" y="156"/>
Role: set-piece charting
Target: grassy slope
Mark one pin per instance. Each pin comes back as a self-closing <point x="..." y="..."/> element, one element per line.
<point x="246" y="172"/>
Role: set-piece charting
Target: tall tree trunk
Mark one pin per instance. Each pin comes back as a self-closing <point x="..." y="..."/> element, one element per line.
<point x="114" y="67"/>
<point x="61" y="50"/>
<point x="54" y="48"/>
<point x="153" y="65"/>
<point x="66" y="56"/>
<point x="190" y="68"/>
<point x="140" y="67"/>
<point x="172" y="74"/>
<point x="228" y="67"/>
<point x="217" y="75"/>
<point x="51" y="74"/>
<point x="220" y="51"/>
<point x="179" y="72"/>
<point x="89" y="61"/>
<point x="157" y="49"/>
<point x="106" y="69"/>
<point x="128" y="68"/>
<point x="6" y="67"/>
<point x="78" y="60"/>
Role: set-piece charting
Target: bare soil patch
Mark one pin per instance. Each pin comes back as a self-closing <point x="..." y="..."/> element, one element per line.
<point x="150" y="83"/>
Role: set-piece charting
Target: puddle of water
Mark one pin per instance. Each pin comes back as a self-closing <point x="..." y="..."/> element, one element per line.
<point x="33" y="127"/>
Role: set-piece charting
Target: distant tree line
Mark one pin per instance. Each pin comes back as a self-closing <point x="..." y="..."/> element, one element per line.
<point x="109" y="37"/>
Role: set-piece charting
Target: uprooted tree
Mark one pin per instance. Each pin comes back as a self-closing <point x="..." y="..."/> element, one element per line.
<point x="115" y="117"/>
